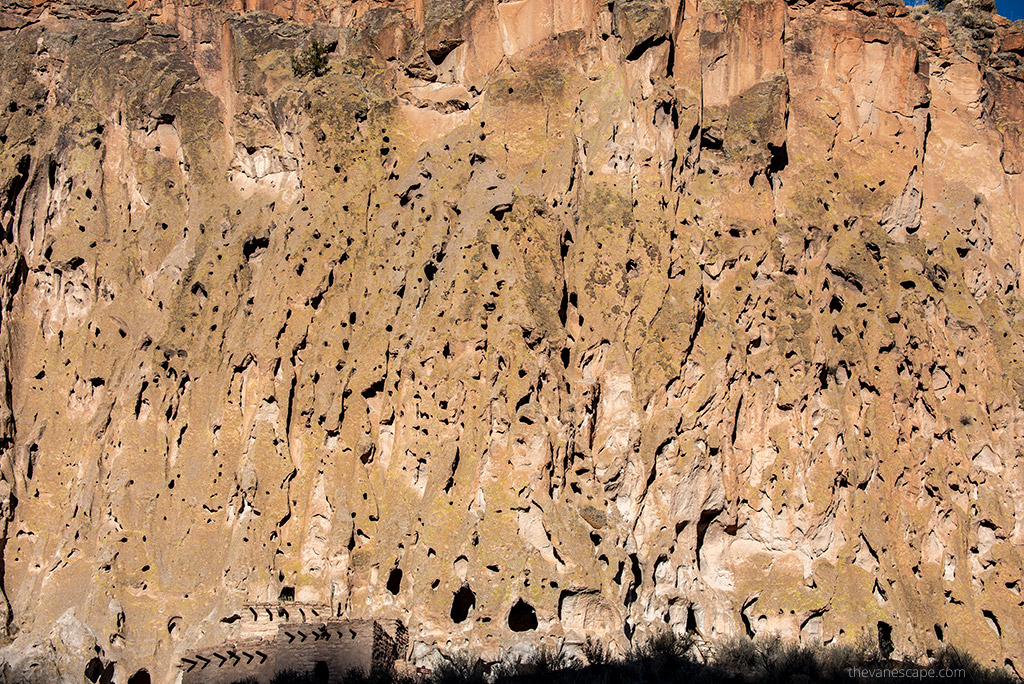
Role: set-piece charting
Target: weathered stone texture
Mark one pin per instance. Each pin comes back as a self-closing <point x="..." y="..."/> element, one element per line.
<point x="642" y="314"/>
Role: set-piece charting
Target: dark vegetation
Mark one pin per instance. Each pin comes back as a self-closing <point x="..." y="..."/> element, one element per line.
<point x="669" y="659"/>
<point x="312" y="61"/>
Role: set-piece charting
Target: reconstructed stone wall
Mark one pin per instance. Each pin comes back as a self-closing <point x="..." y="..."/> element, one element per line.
<point x="341" y="645"/>
<point x="263" y="620"/>
<point x="230" y="663"/>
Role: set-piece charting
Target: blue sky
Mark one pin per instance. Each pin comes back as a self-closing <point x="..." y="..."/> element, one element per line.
<point x="1012" y="9"/>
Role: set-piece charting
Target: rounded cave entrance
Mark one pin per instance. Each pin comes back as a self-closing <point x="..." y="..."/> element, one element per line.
<point x="140" y="677"/>
<point x="522" y="617"/>
<point x="394" y="584"/>
<point x="99" y="672"/>
<point x="463" y="601"/>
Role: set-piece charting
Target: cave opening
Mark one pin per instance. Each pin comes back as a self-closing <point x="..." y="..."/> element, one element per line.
<point x="395" y="581"/>
<point x="885" y="644"/>
<point x="98" y="672"/>
<point x="691" y="620"/>
<point x="140" y="677"/>
<point x="522" y="617"/>
<point x="463" y="601"/>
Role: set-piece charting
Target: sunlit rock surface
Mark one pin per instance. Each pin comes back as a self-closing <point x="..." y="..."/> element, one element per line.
<point x="556" y="316"/>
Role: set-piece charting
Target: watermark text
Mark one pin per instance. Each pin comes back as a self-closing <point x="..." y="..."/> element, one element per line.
<point x="905" y="673"/>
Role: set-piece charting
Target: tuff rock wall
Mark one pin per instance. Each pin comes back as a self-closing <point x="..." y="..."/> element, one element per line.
<point x="647" y="314"/>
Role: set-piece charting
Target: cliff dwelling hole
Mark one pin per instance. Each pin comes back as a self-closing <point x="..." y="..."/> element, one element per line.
<point x="885" y="645"/>
<point x="691" y="620"/>
<point x="287" y="594"/>
<point x="96" y="671"/>
<point x="938" y="632"/>
<point x="321" y="674"/>
<point x="779" y="158"/>
<point x="702" y="527"/>
<point x="499" y="211"/>
<point x="395" y="581"/>
<point x="709" y="141"/>
<point x="522" y="617"/>
<point x="634" y="568"/>
<point x="463" y="601"/>
<point x="255" y="246"/>
<point x="140" y="677"/>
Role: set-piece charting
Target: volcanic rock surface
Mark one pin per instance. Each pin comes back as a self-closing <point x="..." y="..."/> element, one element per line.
<point x="528" y="321"/>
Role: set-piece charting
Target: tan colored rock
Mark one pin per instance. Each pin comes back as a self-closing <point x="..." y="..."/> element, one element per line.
<point x="619" y="319"/>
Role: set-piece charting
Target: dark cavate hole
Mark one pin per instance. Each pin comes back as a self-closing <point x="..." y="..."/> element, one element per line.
<point x="499" y="211"/>
<point x="463" y="601"/>
<point x="709" y="141"/>
<point x="780" y="158"/>
<point x="885" y="645"/>
<point x="395" y="581"/>
<point x="691" y="620"/>
<point x="255" y="246"/>
<point x="445" y="48"/>
<point x="522" y="617"/>
<point x="93" y="670"/>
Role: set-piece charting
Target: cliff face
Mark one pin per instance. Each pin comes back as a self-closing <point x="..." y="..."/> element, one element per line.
<point x="639" y="316"/>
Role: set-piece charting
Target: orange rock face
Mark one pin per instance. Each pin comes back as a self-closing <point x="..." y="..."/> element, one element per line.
<point x="525" y="322"/>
